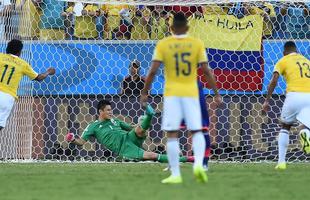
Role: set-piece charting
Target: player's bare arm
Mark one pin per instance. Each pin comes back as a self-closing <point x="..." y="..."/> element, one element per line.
<point x="271" y="87"/>
<point x="211" y="81"/>
<point x="79" y="141"/>
<point x="49" y="71"/>
<point x="148" y="82"/>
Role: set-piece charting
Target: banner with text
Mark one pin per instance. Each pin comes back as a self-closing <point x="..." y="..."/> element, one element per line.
<point x="233" y="48"/>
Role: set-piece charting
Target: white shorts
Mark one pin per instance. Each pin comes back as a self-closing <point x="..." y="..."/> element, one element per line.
<point x="178" y="108"/>
<point x="6" y="105"/>
<point x="293" y="104"/>
<point x="304" y="117"/>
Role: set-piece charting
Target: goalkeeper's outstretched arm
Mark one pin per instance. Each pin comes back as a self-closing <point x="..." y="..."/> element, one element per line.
<point x="78" y="141"/>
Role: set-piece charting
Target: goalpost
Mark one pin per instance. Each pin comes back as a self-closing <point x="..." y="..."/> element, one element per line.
<point x="242" y="44"/>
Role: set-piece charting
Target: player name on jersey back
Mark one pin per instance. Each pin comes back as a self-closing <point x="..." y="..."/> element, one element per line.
<point x="181" y="56"/>
<point x="12" y="69"/>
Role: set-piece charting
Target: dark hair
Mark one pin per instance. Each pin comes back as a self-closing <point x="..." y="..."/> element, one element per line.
<point x="135" y="63"/>
<point x="179" y="20"/>
<point x="102" y="104"/>
<point x="290" y="45"/>
<point x="14" y="47"/>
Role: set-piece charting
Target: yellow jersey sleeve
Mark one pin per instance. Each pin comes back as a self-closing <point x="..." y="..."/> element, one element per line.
<point x="18" y="2"/>
<point x="279" y="67"/>
<point x="269" y="6"/>
<point x="158" y="53"/>
<point x="91" y="8"/>
<point x="28" y="71"/>
<point x="103" y="8"/>
<point x="202" y="53"/>
<point x="272" y="11"/>
<point x="69" y="9"/>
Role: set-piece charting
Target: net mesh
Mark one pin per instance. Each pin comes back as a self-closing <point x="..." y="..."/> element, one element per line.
<point x="93" y="45"/>
<point x="176" y="2"/>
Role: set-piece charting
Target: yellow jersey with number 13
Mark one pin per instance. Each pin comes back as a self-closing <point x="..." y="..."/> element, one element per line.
<point x="295" y="68"/>
<point x="12" y="69"/>
<point x="181" y="56"/>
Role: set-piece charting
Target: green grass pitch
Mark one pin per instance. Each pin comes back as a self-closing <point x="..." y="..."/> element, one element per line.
<point x="118" y="181"/>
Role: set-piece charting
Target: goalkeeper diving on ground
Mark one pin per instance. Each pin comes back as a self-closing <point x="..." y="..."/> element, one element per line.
<point x="119" y="136"/>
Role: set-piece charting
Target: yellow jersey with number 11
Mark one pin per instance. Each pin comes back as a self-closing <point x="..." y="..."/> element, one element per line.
<point x="181" y="56"/>
<point x="12" y="69"/>
<point x="295" y="68"/>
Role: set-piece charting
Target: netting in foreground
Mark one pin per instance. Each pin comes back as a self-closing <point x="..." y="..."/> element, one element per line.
<point x="92" y="51"/>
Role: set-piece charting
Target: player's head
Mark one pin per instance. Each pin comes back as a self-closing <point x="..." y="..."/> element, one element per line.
<point x="14" y="47"/>
<point x="289" y="47"/>
<point x="104" y="109"/>
<point x="179" y="24"/>
<point x="134" y="67"/>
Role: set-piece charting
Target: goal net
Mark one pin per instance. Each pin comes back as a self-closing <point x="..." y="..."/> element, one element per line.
<point x="93" y="44"/>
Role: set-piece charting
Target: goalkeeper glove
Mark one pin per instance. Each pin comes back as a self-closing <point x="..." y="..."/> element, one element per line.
<point x="70" y="137"/>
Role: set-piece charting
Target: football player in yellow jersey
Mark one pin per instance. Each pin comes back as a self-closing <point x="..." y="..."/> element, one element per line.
<point x="181" y="56"/>
<point x="12" y="69"/>
<point x="295" y="68"/>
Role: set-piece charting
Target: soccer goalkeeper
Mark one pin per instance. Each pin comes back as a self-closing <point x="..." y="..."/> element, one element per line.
<point x="120" y="137"/>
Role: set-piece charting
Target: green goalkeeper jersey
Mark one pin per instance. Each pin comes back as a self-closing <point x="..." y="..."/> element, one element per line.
<point x="110" y="133"/>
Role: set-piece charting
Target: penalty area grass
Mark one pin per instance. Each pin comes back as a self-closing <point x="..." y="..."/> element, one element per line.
<point x="118" y="181"/>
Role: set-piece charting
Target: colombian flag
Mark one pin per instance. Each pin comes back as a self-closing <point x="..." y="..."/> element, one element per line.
<point x="234" y="49"/>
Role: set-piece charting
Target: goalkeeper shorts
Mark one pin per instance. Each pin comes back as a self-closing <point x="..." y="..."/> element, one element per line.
<point x="132" y="146"/>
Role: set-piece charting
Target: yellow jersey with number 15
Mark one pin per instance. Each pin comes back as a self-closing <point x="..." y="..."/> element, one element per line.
<point x="295" y="68"/>
<point x="181" y="56"/>
<point x="12" y="69"/>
